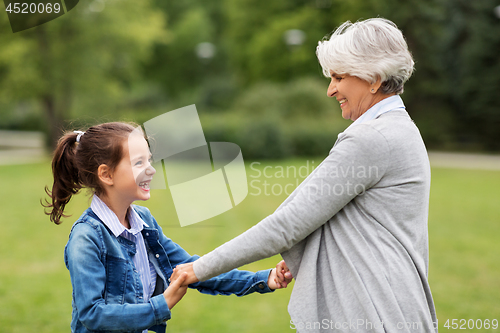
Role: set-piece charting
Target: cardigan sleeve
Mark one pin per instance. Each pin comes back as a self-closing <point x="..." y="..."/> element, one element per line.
<point x="171" y="254"/>
<point x="357" y="162"/>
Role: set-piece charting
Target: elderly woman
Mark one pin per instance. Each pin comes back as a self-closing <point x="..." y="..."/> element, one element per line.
<point x="354" y="233"/>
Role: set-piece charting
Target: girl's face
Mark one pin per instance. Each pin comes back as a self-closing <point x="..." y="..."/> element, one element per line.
<point x="134" y="173"/>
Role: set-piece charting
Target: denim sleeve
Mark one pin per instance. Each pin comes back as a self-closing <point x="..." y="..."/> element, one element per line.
<point x="235" y="282"/>
<point x="85" y="261"/>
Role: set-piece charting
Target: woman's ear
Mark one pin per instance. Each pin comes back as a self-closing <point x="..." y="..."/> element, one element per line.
<point x="104" y="174"/>
<point x="375" y="86"/>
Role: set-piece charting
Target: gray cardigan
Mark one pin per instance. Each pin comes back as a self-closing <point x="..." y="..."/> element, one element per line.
<point x="354" y="235"/>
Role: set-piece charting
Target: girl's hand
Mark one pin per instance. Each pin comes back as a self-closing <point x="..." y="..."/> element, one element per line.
<point x="271" y="281"/>
<point x="283" y="276"/>
<point x="175" y="291"/>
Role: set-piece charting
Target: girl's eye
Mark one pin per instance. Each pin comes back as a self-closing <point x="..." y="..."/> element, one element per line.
<point x="138" y="163"/>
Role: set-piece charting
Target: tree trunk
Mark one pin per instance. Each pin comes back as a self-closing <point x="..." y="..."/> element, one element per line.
<point x="49" y="97"/>
<point x="55" y="121"/>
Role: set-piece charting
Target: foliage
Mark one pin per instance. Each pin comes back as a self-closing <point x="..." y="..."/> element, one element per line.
<point x="81" y="63"/>
<point x="456" y="53"/>
<point x="276" y="120"/>
<point x="457" y="76"/>
<point x="122" y="62"/>
<point x="175" y="64"/>
<point x="472" y="68"/>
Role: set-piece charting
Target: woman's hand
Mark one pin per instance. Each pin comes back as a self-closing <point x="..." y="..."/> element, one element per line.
<point x="185" y="269"/>
<point x="176" y="290"/>
<point x="283" y="276"/>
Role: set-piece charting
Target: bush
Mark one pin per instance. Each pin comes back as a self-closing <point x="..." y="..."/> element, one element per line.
<point x="258" y="138"/>
<point x="271" y="120"/>
<point x="311" y="141"/>
<point x="272" y="138"/>
<point x="265" y="139"/>
<point x="305" y="97"/>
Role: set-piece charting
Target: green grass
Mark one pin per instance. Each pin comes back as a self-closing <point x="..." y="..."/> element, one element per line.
<point x="464" y="231"/>
<point x="35" y="291"/>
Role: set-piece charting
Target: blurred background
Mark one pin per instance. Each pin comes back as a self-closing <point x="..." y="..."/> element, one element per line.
<point x="250" y="67"/>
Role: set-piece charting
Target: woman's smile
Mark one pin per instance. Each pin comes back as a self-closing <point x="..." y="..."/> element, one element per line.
<point x="355" y="95"/>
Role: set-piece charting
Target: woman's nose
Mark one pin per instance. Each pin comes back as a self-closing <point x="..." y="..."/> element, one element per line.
<point x="332" y="89"/>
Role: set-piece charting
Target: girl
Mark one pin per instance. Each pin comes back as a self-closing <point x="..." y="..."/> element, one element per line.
<point x="119" y="260"/>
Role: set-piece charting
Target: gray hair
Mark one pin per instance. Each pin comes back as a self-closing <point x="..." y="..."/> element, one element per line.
<point x="370" y="49"/>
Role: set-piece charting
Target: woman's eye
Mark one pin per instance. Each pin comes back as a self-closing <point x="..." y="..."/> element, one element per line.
<point x="138" y="163"/>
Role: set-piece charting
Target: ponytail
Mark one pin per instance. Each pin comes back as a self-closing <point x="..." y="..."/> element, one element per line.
<point x="76" y="160"/>
<point x="66" y="179"/>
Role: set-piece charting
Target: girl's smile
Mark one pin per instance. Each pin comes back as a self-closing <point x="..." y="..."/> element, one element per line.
<point x="130" y="180"/>
<point x="139" y="159"/>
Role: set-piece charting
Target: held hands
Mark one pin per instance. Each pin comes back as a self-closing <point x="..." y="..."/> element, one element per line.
<point x="182" y="276"/>
<point x="187" y="269"/>
<point x="175" y="291"/>
<point x="280" y="276"/>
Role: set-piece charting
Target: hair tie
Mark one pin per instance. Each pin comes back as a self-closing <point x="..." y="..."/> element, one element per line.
<point x="80" y="133"/>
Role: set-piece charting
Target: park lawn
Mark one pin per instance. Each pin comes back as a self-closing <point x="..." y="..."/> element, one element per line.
<point x="35" y="290"/>
<point x="464" y="233"/>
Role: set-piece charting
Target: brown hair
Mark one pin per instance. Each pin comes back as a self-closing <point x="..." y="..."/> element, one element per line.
<point x="75" y="164"/>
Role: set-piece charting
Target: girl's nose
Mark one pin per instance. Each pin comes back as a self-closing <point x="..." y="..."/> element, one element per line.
<point x="150" y="170"/>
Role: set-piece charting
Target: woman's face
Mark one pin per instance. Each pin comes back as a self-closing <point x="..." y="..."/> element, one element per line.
<point x="354" y="94"/>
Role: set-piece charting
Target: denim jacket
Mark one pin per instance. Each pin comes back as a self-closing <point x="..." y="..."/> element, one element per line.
<point x="107" y="289"/>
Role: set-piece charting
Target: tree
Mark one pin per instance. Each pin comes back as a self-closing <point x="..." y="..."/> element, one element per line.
<point x="176" y="64"/>
<point x="471" y="62"/>
<point x="255" y="39"/>
<point x="81" y="63"/>
<point x="456" y="44"/>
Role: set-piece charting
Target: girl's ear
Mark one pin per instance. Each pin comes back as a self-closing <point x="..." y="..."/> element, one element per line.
<point x="104" y="174"/>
